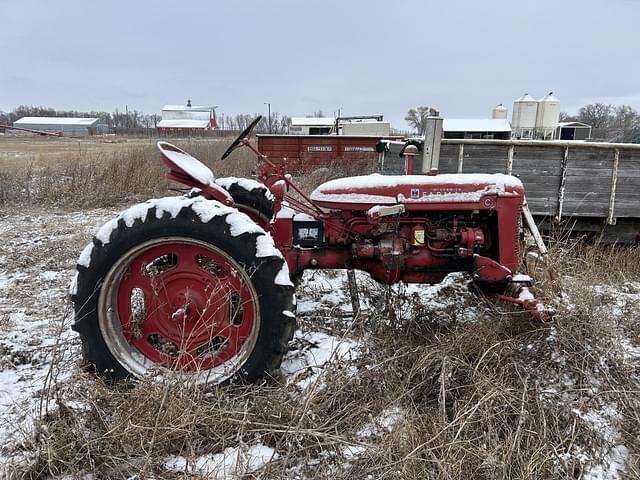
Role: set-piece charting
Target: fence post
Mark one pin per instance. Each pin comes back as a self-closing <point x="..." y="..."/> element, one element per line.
<point x="611" y="220"/>
<point x="563" y="180"/>
<point x="510" y="160"/>
<point x="460" y="157"/>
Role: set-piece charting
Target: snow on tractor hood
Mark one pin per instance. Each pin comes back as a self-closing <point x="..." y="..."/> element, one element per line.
<point x="376" y="189"/>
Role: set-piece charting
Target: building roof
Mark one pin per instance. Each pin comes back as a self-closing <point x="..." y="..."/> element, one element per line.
<point x="313" y="121"/>
<point x="573" y="124"/>
<point x="476" y="125"/>
<point x="526" y="98"/>
<point x="183" y="123"/>
<point x="184" y="108"/>
<point x="78" y="122"/>
<point x="550" y="97"/>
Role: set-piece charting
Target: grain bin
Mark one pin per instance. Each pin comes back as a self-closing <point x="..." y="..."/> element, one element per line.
<point x="548" y="117"/>
<point x="523" y="120"/>
<point x="499" y="111"/>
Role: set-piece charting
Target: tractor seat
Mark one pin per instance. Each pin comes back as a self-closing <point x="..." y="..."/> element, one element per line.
<point x="182" y="163"/>
<point x="363" y="192"/>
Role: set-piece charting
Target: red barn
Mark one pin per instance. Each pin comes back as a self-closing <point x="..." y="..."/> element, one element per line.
<point x="186" y="119"/>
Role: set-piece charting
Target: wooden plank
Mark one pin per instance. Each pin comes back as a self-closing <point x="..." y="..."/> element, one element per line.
<point x="611" y="219"/>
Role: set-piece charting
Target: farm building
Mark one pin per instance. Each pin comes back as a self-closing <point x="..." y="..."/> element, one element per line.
<point x="186" y="119"/>
<point x="477" y="128"/>
<point x="573" y="131"/>
<point x="312" y="125"/>
<point x="66" y="125"/>
<point x="372" y="125"/>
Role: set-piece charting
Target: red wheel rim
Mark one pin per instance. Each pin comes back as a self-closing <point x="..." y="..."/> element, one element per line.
<point x="182" y="304"/>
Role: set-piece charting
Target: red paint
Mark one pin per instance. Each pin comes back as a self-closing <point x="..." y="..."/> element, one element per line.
<point x="308" y="152"/>
<point x="186" y="306"/>
<point x="478" y="234"/>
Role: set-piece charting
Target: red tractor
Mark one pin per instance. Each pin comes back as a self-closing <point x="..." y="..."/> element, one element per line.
<point x="199" y="286"/>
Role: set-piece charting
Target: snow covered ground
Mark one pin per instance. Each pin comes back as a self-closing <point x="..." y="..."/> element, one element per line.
<point x="37" y="259"/>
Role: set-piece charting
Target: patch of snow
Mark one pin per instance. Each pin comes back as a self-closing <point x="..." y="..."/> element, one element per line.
<point x="73" y="286"/>
<point x="286" y="212"/>
<point x="303" y="217"/>
<point x="135" y="212"/>
<point x="85" y="255"/>
<point x="246" y="183"/>
<point x="266" y="248"/>
<point x="204" y="208"/>
<point x="241" y="223"/>
<point x="351" y="452"/>
<point x="185" y="162"/>
<point x="318" y="350"/>
<point x="283" y="278"/>
<point x="382" y="424"/>
<point x="629" y="350"/>
<point x="613" y="465"/>
<point x="207" y="209"/>
<point x="104" y="234"/>
<point x="233" y="462"/>
<point x="50" y="275"/>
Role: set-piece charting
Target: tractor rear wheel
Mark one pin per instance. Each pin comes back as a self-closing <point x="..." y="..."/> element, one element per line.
<point x="183" y="287"/>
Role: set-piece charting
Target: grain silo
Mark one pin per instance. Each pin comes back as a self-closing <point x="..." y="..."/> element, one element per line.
<point x="548" y="117"/>
<point x="523" y="119"/>
<point x="499" y="112"/>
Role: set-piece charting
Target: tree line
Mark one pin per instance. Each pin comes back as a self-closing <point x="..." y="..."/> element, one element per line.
<point x="612" y="123"/>
<point x="131" y="121"/>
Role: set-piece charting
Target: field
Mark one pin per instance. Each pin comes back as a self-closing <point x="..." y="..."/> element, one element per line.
<point x="427" y="382"/>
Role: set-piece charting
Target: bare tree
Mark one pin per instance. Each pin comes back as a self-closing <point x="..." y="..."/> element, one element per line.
<point x="565" y="117"/>
<point x="417" y="117"/>
<point x="598" y="115"/>
<point x="626" y="117"/>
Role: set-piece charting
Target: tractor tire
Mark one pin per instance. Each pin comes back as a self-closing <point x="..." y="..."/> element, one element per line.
<point x="251" y="197"/>
<point x="183" y="288"/>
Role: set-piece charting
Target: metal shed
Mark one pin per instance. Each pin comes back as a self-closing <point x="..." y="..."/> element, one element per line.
<point x="573" y="131"/>
<point x="67" y="125"/>
<point x="476" y="128"/>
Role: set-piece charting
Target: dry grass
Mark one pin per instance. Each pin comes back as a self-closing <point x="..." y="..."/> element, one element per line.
<point x="496" y="398"/>
<point x="98" y="177"/>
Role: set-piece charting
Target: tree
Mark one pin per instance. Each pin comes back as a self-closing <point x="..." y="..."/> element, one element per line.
<point x="565" y="117"/>
<point x="626" y="117"/>
<point x="417" y="117"/>
<point x="598" y="115"/>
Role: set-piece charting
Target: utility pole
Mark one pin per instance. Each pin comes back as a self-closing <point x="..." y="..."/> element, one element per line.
<point x="269" y="110"/>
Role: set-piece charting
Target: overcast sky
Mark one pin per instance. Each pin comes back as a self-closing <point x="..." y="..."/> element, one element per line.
<point x="365" y="57"/>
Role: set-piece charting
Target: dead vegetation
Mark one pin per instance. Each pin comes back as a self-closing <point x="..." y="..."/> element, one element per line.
<point x="498" y="397"/>
<point x="90" y="176"/>
<point x="98" y="178"/>
<point x="429" y="395"/>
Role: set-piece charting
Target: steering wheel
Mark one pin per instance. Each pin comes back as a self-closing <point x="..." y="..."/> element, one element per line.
<point x="245" y="133"/>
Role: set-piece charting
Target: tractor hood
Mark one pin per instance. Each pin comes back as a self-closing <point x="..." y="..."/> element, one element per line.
<point x="363" y="192"/>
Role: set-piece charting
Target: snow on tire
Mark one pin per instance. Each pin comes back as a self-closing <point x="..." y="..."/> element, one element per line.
<point x="185" y="287"/>
<point x="250" y="196"/>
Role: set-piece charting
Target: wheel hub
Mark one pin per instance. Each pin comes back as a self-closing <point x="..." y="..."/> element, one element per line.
<point x="186" y="305"/>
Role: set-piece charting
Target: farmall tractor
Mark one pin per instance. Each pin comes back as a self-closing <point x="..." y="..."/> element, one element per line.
<point x="200" y="286"/>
